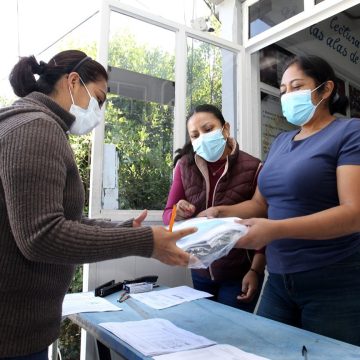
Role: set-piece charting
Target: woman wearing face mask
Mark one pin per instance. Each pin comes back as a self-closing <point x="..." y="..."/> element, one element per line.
<point x="42" y="231"/>
<point x="211" y="170"/>
<point x="309" y="186"/>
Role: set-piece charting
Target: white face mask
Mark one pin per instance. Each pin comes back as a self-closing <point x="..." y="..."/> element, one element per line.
<point x="85" y="119"/>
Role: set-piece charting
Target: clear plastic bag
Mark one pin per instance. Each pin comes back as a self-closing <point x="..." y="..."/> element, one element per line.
<point x="213" y="240"/>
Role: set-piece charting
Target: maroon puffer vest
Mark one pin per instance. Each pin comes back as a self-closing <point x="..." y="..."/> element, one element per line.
<point x="237" y="184"/>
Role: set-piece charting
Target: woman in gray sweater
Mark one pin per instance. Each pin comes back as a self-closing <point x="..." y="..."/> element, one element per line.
<point x="42" y="231"/>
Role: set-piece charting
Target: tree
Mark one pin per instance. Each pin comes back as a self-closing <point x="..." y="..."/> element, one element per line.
<point x="143" y="131"/>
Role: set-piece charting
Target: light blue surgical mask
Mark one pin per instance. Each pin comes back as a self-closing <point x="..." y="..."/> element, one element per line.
<point x="297" y="106"/>
<point x="210" y="146"/>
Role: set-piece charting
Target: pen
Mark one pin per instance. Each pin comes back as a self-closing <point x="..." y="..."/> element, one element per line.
<point x="124" y="298"/>
<point x="172" y="219"/>
<point x="304" y="352"/>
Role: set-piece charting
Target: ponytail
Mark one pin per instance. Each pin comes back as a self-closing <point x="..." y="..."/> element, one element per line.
<point x="339" y="104"/>
<point x="188" y="150"/>
<point x="23" y="81"/>
<point x="22" y="77"/>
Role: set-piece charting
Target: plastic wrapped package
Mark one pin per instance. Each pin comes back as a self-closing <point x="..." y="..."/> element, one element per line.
<point x="214" y="239"/>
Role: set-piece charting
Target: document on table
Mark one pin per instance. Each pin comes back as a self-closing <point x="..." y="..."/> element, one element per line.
<point x="156" y="336"/>
<point x="215" y="352"/>
<point x="169" y="297"/>
<point x="86" y="302"/>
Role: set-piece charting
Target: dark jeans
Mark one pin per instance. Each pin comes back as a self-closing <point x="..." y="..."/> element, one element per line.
<point x="325" y="301"/>
<point x="41" y="355"/>
<point x="225" y="292"/>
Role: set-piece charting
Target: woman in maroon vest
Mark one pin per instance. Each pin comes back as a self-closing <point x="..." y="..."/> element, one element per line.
<point x="211" y="170"/>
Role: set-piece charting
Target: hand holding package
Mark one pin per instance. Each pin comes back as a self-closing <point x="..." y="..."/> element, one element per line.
<point x="214" y="239"/>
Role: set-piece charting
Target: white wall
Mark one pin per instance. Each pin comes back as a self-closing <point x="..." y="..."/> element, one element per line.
<point x="329" y="40"/>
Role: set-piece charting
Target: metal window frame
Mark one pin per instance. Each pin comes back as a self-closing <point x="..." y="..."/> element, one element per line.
<point x="182" y="33"/>
<point x="248" y="82"/>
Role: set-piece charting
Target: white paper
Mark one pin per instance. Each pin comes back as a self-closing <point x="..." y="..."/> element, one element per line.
<point x="86" y="302"/>
<point x="156" y="336"/>
<point x="169" y="297"/>
<point x="216" y="352"/>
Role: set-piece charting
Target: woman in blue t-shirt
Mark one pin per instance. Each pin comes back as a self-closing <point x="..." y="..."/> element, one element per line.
<point x="310" y="191"/>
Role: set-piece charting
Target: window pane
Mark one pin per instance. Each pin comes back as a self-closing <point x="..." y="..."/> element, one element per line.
<point x="272" y="61"/>
<point x="199" y="14"/>
<point x="211" y="77"/>
<point x="139" y="115"/>
<point x="267" y="13"/>
<point x="82" y="38"/>
<point x="354" y="101"/>
<point x="272" y="121"/>
<point x="342" y="92"/>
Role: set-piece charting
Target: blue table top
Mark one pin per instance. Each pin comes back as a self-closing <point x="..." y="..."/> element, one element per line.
<point x="223" y="324"/>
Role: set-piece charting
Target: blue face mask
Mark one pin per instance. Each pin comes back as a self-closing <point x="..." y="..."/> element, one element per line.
<point x="210" y="146"/>
<point x="297" y="106"/>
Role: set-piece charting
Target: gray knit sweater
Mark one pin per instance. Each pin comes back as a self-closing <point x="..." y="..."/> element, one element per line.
<point x="42" y="232"/>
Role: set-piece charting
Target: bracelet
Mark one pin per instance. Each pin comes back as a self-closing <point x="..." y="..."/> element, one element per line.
<point x="256" y="272"/>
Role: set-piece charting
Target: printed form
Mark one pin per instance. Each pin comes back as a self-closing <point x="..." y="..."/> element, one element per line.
<point x="156" y="336"/>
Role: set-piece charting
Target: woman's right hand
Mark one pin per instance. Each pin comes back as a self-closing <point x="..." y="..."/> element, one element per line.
<point x="184" y="210"/>
<point x="165" y="248"/>
<point x="211" y="212"/>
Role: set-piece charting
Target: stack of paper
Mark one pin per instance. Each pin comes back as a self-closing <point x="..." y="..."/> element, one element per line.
<point x="169" y="297"/>
<point x="156" y="336"/>
<point x="86" y="302"/>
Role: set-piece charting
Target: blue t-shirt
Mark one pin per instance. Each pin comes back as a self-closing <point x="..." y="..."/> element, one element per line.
<point x="299" y="178"/>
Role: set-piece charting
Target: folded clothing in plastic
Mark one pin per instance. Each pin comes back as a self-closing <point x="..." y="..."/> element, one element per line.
<point x="214" y="239"/>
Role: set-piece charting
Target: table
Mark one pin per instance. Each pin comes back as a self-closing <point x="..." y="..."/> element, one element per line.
<point x="221" y="323"/>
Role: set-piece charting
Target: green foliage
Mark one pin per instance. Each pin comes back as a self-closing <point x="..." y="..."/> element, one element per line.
<point x="204" y="74"/>
<point x="142" y="133"/>
<point x="126" y="53"/>
<point x="81" y="146"/>
<point x="70" y="333"/>
<point x="5" y="101"/>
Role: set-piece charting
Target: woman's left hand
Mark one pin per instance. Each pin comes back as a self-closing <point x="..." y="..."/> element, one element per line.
<point x="138" y="220"/>
<point x="249" y="288"/>
<point x="260" y="233"/>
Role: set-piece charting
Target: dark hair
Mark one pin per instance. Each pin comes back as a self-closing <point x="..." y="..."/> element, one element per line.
<point x="23" y="81"/>
<point x="187" y="149"/>
<point x="321" y="71"/>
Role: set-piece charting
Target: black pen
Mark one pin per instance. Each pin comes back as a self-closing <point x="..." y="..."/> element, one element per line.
<point x="304" y="352"/>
